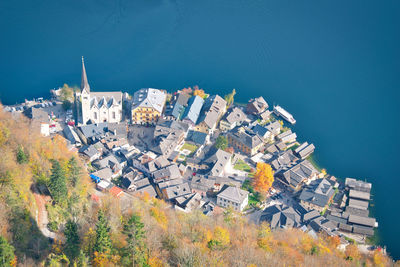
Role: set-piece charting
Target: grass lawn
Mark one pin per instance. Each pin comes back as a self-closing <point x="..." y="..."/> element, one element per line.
<point x="190" y="147"/>
<point x="242" y="166"/>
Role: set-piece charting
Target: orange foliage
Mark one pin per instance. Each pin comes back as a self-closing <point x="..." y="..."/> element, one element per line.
<point x="263" y="178"/>
<point x="352" y="252"/>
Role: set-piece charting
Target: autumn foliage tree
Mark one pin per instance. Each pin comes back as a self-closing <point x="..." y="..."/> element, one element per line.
<point x="263" y="178"/>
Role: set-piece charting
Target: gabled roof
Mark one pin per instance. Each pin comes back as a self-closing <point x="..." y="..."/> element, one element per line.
<point x="213" y="108"/>
<point x="300" y="172"/>
<point x="233" y="194"/>
<point x="218" y="162"/>
<point x="281" y="216"/>
<point x="236" y="115"/>
<point x="199" y="138"/>
<point x="192" y="112"/>
<point x="318" y="192"/>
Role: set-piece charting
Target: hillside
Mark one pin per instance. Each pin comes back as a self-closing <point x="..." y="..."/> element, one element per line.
<point x="137" y="231"/>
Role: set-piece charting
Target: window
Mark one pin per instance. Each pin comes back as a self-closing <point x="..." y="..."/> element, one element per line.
<point x="113" y="114"/>
<point x="95" y="115"/>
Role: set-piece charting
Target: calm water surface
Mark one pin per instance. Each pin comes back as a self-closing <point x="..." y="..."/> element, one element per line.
<point x="334" y="65"/>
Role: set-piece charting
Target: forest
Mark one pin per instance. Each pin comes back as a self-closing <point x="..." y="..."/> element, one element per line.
<point x="50" y="218"/>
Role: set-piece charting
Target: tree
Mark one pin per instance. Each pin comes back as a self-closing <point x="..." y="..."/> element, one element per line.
<point x="103" y="239"/>
<point x="133" y="229"/>
<point x="57" y="186"/>
<point x="352" y="252"/>
<point x="229" y="98"/>
<point x="263" y="178"/>
<point x="82" y="260"/>
<point x="221" y="142"/>
<point x="7" y="257"/>
<point x="74" y="171"/>
<point x="220" y="239"/>
<point x="22" y="157"/>
<point x="199" y="92"/>
<point x="72" y="243"/>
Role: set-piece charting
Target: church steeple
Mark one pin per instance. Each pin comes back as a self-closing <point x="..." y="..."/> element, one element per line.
<point x="84" y="82"/>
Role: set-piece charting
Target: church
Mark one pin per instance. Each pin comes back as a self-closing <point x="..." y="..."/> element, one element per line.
<point x="98" y="107"/>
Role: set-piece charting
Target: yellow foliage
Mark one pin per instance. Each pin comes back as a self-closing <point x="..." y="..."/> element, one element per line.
<point x="160" y="216"/>
<point x="155" y="262"/>
<point x="379" y="259"/>
<point x="221" y="235"/>
<point x="263" y="178"/>
<point x="199" y="92"/>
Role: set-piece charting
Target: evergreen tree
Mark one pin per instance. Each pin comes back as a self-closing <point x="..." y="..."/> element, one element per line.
<point x="82" y="260"/>
<point x="135" y="233"/>
<point x="103" y="240"/>
<point x="7" y="257"/>
<point x="74" y="171"/>
<point x="72" y="243"/>
<point x="57" y="185"/>
<point x="22" y="157"/>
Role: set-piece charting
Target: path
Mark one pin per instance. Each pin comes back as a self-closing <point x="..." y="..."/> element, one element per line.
<point x="41" y="214"/>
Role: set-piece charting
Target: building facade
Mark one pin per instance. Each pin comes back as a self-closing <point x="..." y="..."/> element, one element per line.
<point x="148" y="105"/>
<point x="96" y="107"/>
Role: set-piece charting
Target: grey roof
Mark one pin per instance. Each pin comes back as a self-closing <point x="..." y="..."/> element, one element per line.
<point x="149" y="189"/>
<point x="170" y="183"/>
<point x="92" y="150"/>
<point x="37" y="114"/>
<point x="218" y="162"/>
<point x="359" y="194"/>
<point x="358" y="185"/>
<point x="356" y="211"/>
<point x="318" y="192"/>
<point x="362" y="220"/>
<point x="168" y="173"/>
<point x="236" y="115"/>
<point x="178" y="110"/>
<point x="106" y="99"/>
<point x="199" y="138"/>
<point x="261" y="131"/>
<point x="321" y="223"/>
<point x="259" y="104"/>
<point x="94" y="130"/>
<point x="306" y="151"/>
<point x="104" y="173"/>
<point x="281" y="216"/>
<point x="233" y="194"/>
<point x="363" y="230"/>
<point x="359" y="204"/>
<point x="297" y="174"/>
<point x="274" y="127"/>
<point x="167" y="136"/>
<point x="177" y="191"/>
<point x="109" y="161"/>
<point x="312" y="214"/>
<point x="71" y="135"/>
<point x="84" y="81"/>
<point x="192" y="112"/>
<point x="212" y="110"/>
<point x="182" y="99"/>
<point x="246" y="137"/>
<point x="265" y="115"/>
<point x="283" y="159"/>
<point x="299" y="148"/>
<point x="149" y="98"/>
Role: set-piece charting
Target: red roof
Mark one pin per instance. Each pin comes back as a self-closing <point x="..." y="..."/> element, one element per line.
<point x="116" y="191"/>
<point x="95" y="198"/>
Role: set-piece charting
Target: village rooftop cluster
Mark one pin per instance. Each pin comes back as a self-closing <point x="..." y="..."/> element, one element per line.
<point x="163" y="145"/>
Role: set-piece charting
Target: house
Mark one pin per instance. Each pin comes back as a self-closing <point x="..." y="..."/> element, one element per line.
<point x="167" y="136"/>
<point x="213" y="109"/>
<point x="147" y="190"/>
<point x="98" y="107"/>
<point x="193" y="109"/>
<point x="233" y="197"/>
<point x="274" y="128"/>
<point x="281" y="216"/>
<point x="176" y="191"/>
<point x="263" y="132"/>
<point x="220" y="163"/>
<point x="71" y="135"/>
<point x="245" y="141"/>
<point x="287" y="137"/>
<point x="168" y="173"/>
<point x="283" y="160"/>
<point x="234" y="118"/>
<point x="256" y="105"/>
<point x="317" y="195"/>
<point x="358" y="185"/>
<point x="93" y="152"/>
<point x="141" y="161"/>
<point x="105" y="174"/>
<point x="296" y="176"/>
<point x="103" y="185"/>
<point x="92" y="132"/>
<point x="181" y="102"/>
<point x="112" y="162"/>
<point x="199" y="139"/>
<point x="147" y="105"/>
<point x="265" y="116"/>
<point x="39" y="116"/>
<point x="304" y="150"/>
<point x="188" y="203"/>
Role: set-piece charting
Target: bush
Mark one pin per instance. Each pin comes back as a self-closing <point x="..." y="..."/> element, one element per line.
<point x="53" y="226"/>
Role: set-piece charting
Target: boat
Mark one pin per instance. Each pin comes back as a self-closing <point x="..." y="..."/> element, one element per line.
<point x="279" y="111"/>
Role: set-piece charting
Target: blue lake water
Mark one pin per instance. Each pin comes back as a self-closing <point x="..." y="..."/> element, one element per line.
<point x="335" y="65"/>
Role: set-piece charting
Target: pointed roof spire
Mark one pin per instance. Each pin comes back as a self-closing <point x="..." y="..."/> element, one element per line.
<point x="84" y="82"/>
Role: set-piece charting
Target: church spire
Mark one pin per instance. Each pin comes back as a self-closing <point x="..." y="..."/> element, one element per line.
<point x="84" y="82"/>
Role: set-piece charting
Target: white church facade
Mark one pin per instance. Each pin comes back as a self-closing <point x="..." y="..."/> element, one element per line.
<point x="97" y="107"/>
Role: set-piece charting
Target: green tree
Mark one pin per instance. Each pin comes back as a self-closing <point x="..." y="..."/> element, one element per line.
<point x="221" y="142"/>
<point x="57" y="185"/>
<point x="229" y="98"/>
<point x="74" y="171"/>
<point x="22" y="157"/>
<point x="7" y="257"/>
<point x="82" y="260"/>
<point x="72" y="242"/>
<point x="135" y="233"/>
<point x="103" y="239"/>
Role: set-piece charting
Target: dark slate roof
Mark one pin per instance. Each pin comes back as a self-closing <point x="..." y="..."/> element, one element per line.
<point x="37" y="114"/>
<point x="281" y="216"/>
<point x="199" y="138"/>
<point x="300" y="172"/>
<point x="178" y="110"/>
<point x="366" y="221"/>
<point x="359" y="194"/>
<point x="318" y="192"/>
<point x="358" y="185"/>
<point x="192" y="112"/>
<point x="94" y="130"/>
<point x="260" y="130"/>
<point x="246" y="137"/>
